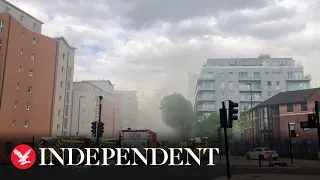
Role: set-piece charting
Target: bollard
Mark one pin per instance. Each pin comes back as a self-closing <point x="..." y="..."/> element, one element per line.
<point x="259" y="160"/>
<point x="270" y="160"/>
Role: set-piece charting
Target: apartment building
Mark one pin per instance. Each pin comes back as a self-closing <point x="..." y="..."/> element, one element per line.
<point x="126" y="110"/>
<point x="192" y="83"/>
<point x="85" y="107"/>
<point x="239" y="78"/>
<point x="61" y="112"/>
<point x="272" y="116"/>
<point x="32" y="66"/>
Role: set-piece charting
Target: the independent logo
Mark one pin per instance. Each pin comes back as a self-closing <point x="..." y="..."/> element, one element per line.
<point x="23" y="156"/>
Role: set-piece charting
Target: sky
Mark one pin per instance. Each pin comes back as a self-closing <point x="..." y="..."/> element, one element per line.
<point x="151" y="45"/>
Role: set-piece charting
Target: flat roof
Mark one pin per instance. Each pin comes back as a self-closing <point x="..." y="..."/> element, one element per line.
<point x="22" y="11"/>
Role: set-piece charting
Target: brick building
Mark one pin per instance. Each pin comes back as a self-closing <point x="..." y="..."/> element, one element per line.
<point x="272" y="116"/>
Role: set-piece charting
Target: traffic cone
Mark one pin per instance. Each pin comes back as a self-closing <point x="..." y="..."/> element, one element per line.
<point x="270" y="160"/>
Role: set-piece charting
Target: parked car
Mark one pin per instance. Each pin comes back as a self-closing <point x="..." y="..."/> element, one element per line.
<point x="263" y="153"/>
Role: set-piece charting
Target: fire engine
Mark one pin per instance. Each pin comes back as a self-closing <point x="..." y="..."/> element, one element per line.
<point x="140" y="139"/>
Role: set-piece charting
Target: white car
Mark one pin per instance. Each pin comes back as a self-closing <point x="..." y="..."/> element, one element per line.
<point x="263" y="153"/>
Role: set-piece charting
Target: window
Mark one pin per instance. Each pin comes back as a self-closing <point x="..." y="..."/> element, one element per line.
<point x="269" y="83"/>
<point x="62" y="70"/>
<point x="1" y="26"/>
<point x="34" y="40"/>
<point x="21" y="18"/>
<point x="290" y="108"/>
<point x="269" y="94"/>
<point x="0" y="43"/>
<point x="31" y="73"/>
<point x="16" y="105"/>
<point x="26" y="124"/>
<point x="14" y="123"/>
<point x="222" y="85"/>
<point x="69" y="72"/>
<point x="60" y="98"/>
<point x="8" y="10"/>
<point x="291" y="127"/>
<point x="21" y="52"/>
<point x="58" y="127"/>
<point x="29" y="90"/>
<point x="18" y="87"/>
<point x="63" y="55"/>
<point x="33" y="57"/>
<point x="34" y="26"/>
<point x="230" y="85"/>
<point x="22" y="35"/>
<point x="222" y="96"/>
<point x="304" y="107"/>
<point x="278" y="85"/>
<point x="19" y="69"/>
<point x="28" y="107"/>
<point x="61" y="83"/>
<point x="59" y="112"/>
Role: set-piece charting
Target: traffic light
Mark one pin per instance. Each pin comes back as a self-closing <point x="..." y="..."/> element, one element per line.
<point x="223" y="118"/>
<point x="233" y="113"/>
<point x="294" y="134"/>
<point x="94" y="128"/>
<point x="100" y="129"/>
<point x="312" y="122"/>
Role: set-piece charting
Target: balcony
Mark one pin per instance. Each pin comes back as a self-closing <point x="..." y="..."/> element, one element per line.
<point x="250" y="78"/>
<point x="206" y="98"/>
<point x="299" y="78"/>
<point x="247" y="88"/>
<point x="249" y="100"/>
<point x="206" y="77"/>
<point x="205" y="88"/>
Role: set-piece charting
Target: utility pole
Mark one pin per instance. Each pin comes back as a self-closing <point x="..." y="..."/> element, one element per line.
<point x="290" y="143"/>
<point x="316" y="108"/>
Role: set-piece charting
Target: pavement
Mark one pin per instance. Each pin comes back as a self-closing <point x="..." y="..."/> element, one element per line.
<point x="241" y="160"/>
<point x="150" y="172"/>
<point x="269" y="177"/>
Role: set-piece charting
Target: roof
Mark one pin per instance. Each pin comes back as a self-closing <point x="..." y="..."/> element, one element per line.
<point x="22" y="11"/>
<point x="99" y="81"/>
<point x="288" y="97"/>
<point x="65" y="41"/>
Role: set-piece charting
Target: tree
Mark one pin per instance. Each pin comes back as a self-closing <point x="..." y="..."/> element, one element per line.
<point x="238" y="128"/>
<point x="209" y="126"/>
<point x="177" y="113"/>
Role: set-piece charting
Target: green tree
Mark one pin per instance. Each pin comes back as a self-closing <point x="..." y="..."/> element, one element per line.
<point x="238" y="127"/>
<point x="209" y="126"/>
<point x="177" y="113"/>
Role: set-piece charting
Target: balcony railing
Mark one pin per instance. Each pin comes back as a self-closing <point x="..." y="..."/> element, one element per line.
<point x="205" y="87"/>
<point x="205" y="98"/>
<point x="248" y="88"/>
<point x="299" y="78"/>
<point x="250" y="77"/>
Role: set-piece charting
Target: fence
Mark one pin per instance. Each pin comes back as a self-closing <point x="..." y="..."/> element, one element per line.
<point x="301" y="149"/>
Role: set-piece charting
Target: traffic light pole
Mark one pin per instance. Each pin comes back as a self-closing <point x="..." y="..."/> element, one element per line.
<point x="290" y="144"/>
<point x="224" y="117"/>
<point x="316" y="108"/>
<point x="219" y="138"/>
<point x="100" y="108"/>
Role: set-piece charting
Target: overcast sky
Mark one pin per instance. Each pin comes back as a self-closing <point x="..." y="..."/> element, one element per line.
<point x="138" y="44"/>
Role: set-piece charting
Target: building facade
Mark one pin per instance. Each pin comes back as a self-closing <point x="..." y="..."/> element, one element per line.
<point x="85" y="107"/>
<point x="61" y="112"/>
<point x="271" y="117"/>
<point x="34" y="81"/>
<point x="192" y="83"/>
<point x="231" y="79"/>
<point x="126" y="110"/>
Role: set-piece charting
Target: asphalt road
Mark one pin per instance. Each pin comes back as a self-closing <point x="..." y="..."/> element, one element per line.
<point x="204" y="173"/>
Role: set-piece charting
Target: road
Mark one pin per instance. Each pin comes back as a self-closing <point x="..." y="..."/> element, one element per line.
<point x="204" y="173"/>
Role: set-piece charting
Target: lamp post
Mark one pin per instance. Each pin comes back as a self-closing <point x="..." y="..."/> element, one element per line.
<point x="253" y="131"/>
<point x="79" y="113"/>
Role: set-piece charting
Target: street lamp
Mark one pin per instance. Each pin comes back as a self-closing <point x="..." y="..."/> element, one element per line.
<point x="79" y="113"/>
<point x="251" y="114"/>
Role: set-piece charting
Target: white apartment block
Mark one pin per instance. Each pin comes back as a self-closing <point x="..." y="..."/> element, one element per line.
<point x="24" y="18"/>
<point x="127" y="111"/>
<point x="63" y="89"/>
<point x="85" y="107"/>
